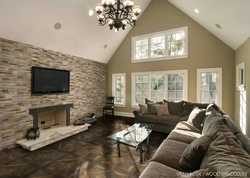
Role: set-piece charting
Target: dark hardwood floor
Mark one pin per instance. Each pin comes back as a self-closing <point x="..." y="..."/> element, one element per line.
<point x="87" y="154"/>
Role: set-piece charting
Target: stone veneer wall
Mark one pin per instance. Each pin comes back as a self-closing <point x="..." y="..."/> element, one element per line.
<point x="88" y="87"/>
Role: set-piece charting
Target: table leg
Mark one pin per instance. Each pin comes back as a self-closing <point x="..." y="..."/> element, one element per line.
<point x="148" y="141"/>
<point x="141" y="152"/>
<point x="118" y="148"/>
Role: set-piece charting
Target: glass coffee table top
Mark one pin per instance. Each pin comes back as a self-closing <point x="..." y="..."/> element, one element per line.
<point x="133" y="136"/>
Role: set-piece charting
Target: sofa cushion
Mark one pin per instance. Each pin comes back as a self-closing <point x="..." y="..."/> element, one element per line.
<point x="168" y="120"/>
<point x="187" y="108"/>
<point x="183" y="136"/>
<point x="158" y="170"/>
<point x="226" y="155"/>
<point x="214" y="123"/>
<point x="169" y="153"/>
<point x="144" y="108"/>
<point x="148" y="118"/>
<point x="175" y="108"/>
<point x="162" y="109"/>
<point x="151" y="108"/>
<point x="183" y="125"/>
<point x="196" y="117"/>
<point x="245" y="141"/>
<point x="192" y="156"/>
<point x="232" y="126"/>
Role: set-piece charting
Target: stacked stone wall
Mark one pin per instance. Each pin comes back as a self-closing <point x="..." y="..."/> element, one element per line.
<point x="88" y="87"/>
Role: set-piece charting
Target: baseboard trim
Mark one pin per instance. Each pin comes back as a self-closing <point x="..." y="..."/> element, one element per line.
<point x="124" y="114"/>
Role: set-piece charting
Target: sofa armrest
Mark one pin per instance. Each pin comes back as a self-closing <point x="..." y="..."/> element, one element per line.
<point x="137" y="114"/>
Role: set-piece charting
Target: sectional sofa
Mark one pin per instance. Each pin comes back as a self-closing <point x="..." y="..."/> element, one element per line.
<point x="207" y="144"/>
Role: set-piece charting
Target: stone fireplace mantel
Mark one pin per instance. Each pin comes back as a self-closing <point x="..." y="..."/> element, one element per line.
<point x="35" y="111"/>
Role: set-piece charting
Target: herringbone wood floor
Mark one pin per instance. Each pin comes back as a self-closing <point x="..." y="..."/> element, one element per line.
<point x="88" y="154"/>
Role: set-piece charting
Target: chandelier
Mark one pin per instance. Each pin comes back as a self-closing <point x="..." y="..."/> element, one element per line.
<point x="116" y="14"/>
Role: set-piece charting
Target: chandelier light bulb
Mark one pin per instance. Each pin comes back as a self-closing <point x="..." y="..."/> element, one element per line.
<point x="104" y="2"/>
<point x="124" y="22"/>
<point x="99" y="8"/>
<point x="137" y="9"/>
<point x="110" y="21"/>
<point x="128" y="3"/>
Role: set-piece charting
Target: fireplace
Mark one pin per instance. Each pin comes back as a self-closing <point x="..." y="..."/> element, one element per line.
<point x="45" y="117"/>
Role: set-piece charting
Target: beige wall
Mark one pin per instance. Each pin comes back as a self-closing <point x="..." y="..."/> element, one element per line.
<point x="205" y="51"/>
<point x="242" y="54"/>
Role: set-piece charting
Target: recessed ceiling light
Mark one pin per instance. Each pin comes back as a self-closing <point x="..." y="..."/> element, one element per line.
<point x="218" y="26"/>
<point x="105" y="46"/>
<point x="91" y="12"/>
<point x="197" y="11"/>
<point x="57" y="26"/>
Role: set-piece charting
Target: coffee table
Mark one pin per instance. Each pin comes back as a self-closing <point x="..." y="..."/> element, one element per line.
<point x="133" y="136"/>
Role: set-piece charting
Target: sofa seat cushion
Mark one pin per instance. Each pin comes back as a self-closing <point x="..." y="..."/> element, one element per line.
<point x="226" y="155"/>
<point x="168" y="120"/>
<point x="183" y="136"/>
<point x="183" y="125"/>
<point x="169" y="153"/>
<point x="158" y="170"/>
<point x="148" y="118"/>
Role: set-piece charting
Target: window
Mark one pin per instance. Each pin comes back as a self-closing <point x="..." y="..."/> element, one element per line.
<point x="209" y="85"/>
<point x="169" y="44"/>
<point x="170" y="85"/>
<point x="118" y="89"/>
<point x="240" y="76"/>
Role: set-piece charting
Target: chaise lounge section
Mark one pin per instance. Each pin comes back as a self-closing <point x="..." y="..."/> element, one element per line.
<point x="208" y="144"/>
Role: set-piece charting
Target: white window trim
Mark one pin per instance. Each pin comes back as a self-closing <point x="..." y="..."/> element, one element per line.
<point x="240" y="86"/>
<point x="113" y="88"/>
<point x="185" y="29"/>
<point x="198" y="91"/>
<point x="184" y="71"/>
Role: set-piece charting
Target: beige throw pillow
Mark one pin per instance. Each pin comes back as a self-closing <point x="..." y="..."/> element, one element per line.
<point x="144" y="108"/>
<point x="162" y="109"/>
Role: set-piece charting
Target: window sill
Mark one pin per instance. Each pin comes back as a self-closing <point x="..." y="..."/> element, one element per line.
<point x="158" y="59"/>
<point x="120" y="105"/>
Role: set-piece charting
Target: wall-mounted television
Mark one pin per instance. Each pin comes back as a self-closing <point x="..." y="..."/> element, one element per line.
<point x="49" y="81"/>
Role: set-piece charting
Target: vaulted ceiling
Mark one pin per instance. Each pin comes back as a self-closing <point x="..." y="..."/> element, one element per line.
<point x="33" y="22"/>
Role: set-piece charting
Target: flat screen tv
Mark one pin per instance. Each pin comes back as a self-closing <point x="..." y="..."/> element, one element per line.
<point x="49" y="81"/>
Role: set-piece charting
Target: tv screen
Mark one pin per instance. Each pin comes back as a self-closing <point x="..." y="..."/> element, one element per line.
<point x="49" y="81"/>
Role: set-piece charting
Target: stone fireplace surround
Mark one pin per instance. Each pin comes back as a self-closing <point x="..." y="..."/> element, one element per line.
<point x="59" y="127"/>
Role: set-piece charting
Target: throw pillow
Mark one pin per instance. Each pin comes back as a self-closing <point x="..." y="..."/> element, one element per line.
<point x="151" y="108"/>
<point x="225" y="155"/>
<point x="162" y="109"/>
<point x="175" y="108"/>
<point x="144" y="108"/>
<point x="196" y="117"/>
<point x="148" y="101"/>
<point x="192" y="156"/>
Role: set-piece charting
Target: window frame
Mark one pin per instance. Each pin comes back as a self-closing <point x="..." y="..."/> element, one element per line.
<point x="185" y="86"/>
<point x="156" y="34"/>
<point x="114" y="88"/>
<point x="240" y="77"/>
<point x="215" y="70"/>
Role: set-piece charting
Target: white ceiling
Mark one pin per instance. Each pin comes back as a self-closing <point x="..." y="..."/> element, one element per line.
<point x="32" y="22"/>
<point x="231" y="15"/>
